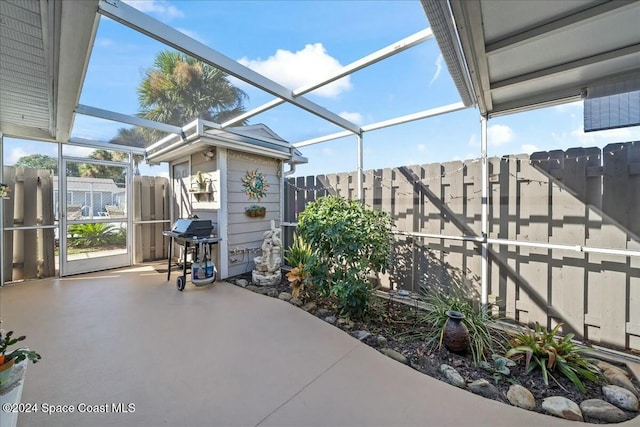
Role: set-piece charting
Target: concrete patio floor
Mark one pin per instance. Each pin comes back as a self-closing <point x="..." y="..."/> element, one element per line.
<point x="217" y="356"/>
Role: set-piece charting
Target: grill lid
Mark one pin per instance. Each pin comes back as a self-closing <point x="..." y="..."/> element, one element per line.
<point x="192" y="227"/>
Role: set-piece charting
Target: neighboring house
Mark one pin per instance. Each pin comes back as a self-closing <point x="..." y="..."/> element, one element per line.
<point x="90" y="196"/>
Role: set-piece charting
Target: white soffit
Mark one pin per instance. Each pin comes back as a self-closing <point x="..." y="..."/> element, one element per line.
<point x="526" y="54"/>
<point x="44" y="51"/>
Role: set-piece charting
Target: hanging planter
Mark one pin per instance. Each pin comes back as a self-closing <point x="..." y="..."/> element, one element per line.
<point x="256" y="211"/>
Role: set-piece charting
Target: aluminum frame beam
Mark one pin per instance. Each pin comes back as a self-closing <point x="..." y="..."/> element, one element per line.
<point x="387" y="123"/>
<point x="125" y="118"/>
<point x="386" y="52"/>
<point x="132" y="18"/>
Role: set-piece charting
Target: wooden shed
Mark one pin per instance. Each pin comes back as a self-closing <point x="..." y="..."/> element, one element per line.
<point x="243" y="167"/>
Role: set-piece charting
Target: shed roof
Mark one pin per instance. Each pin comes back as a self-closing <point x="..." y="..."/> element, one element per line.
<point x="200" y="134"/>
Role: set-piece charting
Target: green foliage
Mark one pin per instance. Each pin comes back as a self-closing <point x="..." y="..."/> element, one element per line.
<point x="38" y="161"/>
<point x="178" y="89"/>
<point x="483" y="339"/>
<point x="92" y="234"/>
<point x="541" y="349"/>
<point x="349" y="241"/>
<point x="18" y="355"/>
<point x="299" y="252"/>
<point x="499" y="369"/>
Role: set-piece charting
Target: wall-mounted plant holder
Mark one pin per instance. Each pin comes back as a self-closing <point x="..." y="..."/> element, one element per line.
<point x="256" y="211"/>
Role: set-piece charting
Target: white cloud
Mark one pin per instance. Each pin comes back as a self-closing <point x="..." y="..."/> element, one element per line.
<point x="15" y="155"/>
<point x="473" y="141"/>
<point x="529" y="148"/>
<point x="422" y="148"/>
<point x="158" y="7"/>
<point x="192" y="34"/>
<point x="328" y="151"/>
<point x="438" y="69"/>
<point x="579" y="138"/>
<point x="352" y="117"/>
<point x="498" y="135"/>
<point x="297" y="69"/>
<point x="102" y="42"/>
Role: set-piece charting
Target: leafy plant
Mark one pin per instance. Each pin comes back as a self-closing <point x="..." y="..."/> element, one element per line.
<point x="349" y="241"/>
<point x="499" y="369"/>
<point x="17" y="355"/>
<point x="91" y="234"/>
<point x="541" y="349"/>
<point x="298" y="279"/>
<point x="299" y="252"/>
<point x="483" y="339"/>
<point x="255" y="208"/>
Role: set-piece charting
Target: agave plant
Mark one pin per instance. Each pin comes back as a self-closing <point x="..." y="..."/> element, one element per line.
<point x="541" y="349"/>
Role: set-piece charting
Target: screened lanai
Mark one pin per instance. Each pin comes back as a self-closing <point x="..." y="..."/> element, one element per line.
<point x="503" y="58"/>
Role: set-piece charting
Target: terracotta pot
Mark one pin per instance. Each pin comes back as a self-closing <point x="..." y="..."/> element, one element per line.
<point x="456" y="334"/>
<point x="5" y="371"/>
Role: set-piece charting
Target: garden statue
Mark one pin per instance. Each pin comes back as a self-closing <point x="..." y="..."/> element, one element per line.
<point x="267" y="271"/>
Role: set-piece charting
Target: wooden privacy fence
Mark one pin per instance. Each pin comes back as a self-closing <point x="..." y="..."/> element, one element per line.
<point x="30" y="254"/>
<point x="578" y="198"/>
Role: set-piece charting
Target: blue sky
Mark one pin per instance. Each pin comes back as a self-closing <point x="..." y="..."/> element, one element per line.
<point x="295" y="42"/>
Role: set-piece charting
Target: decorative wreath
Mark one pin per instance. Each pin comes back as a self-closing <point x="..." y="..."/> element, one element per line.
<point x="255" y="185"/>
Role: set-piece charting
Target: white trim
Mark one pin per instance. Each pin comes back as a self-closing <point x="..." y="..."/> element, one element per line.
<point x="484" y="272"/>
<point x="223" y="213"/>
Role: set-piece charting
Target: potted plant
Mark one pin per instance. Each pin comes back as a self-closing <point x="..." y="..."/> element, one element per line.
<point x="8" y="360"/>
<point x="4" y="191"/>
<point x="201" y="181"/>
<point x="256" y="211"/>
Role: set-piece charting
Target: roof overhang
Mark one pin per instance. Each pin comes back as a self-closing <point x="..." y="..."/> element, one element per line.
<point x="46" y="46"/>
<point x="527" y="54"/>
<point x="201" y="134"/>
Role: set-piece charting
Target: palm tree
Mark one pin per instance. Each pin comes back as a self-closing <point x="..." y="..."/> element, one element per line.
<point x="179" y="89"/>
<point x="131" y="137"/>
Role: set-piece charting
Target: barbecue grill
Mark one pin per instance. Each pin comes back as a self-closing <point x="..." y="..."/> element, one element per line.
<point x="189" y="233"/>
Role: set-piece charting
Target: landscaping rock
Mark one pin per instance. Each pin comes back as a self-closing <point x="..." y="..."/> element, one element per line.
<point x="296" y="302"/>
<point x="382" y="341"/>
<point x="252" y="288"/>
<point x="617" y="376"/>
<point x="452" y="376"/>
<point x="562" y="407"/>
<point x="600" y="410"/>
<point x="272" y="292"/>
<point x="284" y="296"/>
<point x="322" y="313"/>
<point x="261" y="291"/>
<point x="242" y="283"/>
<point x="521" y="397"/>
<point x="310" y="307"/>
<point x="395" y="355"/>
<point x="330" y="319"/>
<point x="361" y="335"/>
<point x="621" y="397"/>
<point x="345" y="323"/>
<point x="484" y="388"/>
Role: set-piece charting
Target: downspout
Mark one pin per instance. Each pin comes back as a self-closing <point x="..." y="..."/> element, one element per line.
<point x="484" y="272"/>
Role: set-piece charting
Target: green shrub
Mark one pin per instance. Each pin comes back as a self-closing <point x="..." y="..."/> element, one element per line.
<point x="90" y="234"/>
<point x="349" y="241"/>
<point x="298" y="253"/>
<point x="540" y="349"/>
<point x="483" y="339"/>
